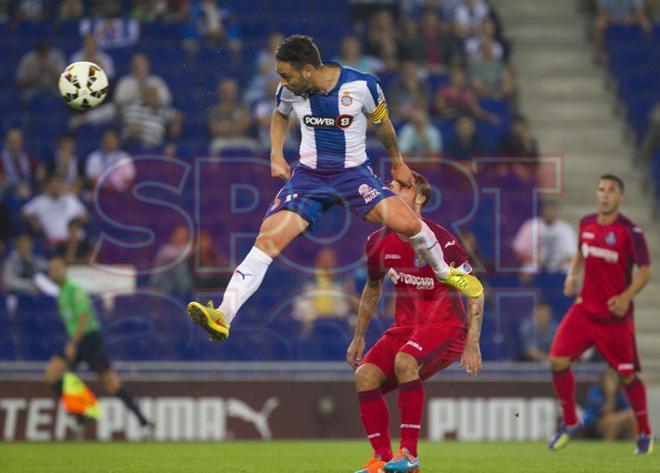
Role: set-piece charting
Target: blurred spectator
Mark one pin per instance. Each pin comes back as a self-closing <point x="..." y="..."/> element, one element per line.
<point x="441" y="48"/>
<point x="70" y="10"/>
<point x="488" y="32"/>
<point x="110" y="156"/>
<point x="148" y="123"/>
<point x="130" y="87"/>
<point x="147" y="11"/>
<point x="617" y="12"/>
<point x="607" y="414"/>
<point x="456" y="98"/>
<point x="350" y="55"/>
<point x="266" y="71"/>
<point x="50" y="213"/>
<point x="211" y="269"/>
<point x="17" y="169"/>
<point x="213" y="25"/>
<point x="489" y="76"/>
<point x="468" y="18"/>
<point x="410" y="44"/>
<point x="545" y="243"/>
<point x="177" y="10"/>
<point x="31" y="10"/>
<point x="108" y="28"/>
<point x="262" y="115"/>
<point x="519" y="142"/>
<point x="39" y="70"/>
<point x="382" y="39"/>
<point x="129" y="91"/>
<point x="171" y="272"/>
<point x="409" y="93"/>
<point x="229" y="120"/>
<point x="420" y="136"/>
<point x="465" y="143"/>
<point x="21" y="266"/>
<point x="66" y="164"/>
<point x="91" y="53"/>
<point x="5" y="16"/>
<point x="651" y="140"/>
<point x="536" y="334"/>
<point x="483" y="265"/>
<point x="325" y="296"/>
<point x="105" y="8"/>
<point x="446" y="9"/>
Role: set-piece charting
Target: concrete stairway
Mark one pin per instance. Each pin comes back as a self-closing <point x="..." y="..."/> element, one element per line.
<point x="572" y="113"/>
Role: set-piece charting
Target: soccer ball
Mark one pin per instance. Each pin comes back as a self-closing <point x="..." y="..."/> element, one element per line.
<point x="83" y="85"/>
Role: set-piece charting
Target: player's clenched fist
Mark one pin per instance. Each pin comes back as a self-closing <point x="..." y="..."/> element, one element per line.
<point x="401" y="174"/>
<point x="570" y="286"/>
<point x="471" y="359"/>
<point x="279" y="167"/>
<point x="355" y="351"/>
<point x="618" y="305"/>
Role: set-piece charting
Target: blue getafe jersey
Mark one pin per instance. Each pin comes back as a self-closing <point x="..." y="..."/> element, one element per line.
<point x="333" y="125"/>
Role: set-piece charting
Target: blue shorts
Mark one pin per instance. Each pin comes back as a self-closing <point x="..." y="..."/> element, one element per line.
<point x="310" y="192"/>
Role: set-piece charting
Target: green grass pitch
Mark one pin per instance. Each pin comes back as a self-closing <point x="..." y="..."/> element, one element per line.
<point x="316" y="457"/>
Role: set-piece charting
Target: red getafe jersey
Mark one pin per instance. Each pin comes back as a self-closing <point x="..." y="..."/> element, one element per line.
<point x="420" y="297"/>
<point x="610" y="251"/>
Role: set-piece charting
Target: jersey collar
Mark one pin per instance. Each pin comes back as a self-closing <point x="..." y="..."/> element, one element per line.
<point x="340" y="79"/>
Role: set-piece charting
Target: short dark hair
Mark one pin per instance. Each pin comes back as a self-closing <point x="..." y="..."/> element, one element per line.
<point x="299" y="50"/>
<point x="612" y="177"/>
<point x="422" y="187"/>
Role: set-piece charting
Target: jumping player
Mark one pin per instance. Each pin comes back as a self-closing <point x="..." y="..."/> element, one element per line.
<point x="333" y="104"/>
<point x="602" y="315"/>
<point x="85" y="344"/>
<point x="429" y="334"/>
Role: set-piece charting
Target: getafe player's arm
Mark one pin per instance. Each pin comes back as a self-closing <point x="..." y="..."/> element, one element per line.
<point x="368" y="303"/>
<point x="279" y="126"/>
<point x="570" y="285"/>
<point x="618" y="305"/>
<point x="471" y="358"/>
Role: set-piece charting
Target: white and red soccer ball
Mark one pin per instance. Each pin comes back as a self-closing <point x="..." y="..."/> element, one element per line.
<point x="83" y="85"/>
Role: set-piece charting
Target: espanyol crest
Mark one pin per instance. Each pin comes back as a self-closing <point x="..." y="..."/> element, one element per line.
<point x="346" y="99"/>
<point x="610" y="239"/>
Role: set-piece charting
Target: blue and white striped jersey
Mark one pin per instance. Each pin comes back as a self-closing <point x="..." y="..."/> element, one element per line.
<point x="333" y="125"/>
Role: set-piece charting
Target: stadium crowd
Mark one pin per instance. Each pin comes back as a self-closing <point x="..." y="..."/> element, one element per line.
<point x="197" y="78"/>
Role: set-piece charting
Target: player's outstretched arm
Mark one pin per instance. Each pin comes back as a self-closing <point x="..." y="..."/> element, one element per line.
<point x="571" y="283"/>
<point x="368" y="302"/>
<point x="279" y="126"/>
<point x="618" y="305"/>
<point x="387" y="136"/>
<point x="471" y="359"/>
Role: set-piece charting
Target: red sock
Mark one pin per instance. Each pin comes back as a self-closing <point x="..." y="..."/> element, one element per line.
<point x="564" y="382"/>
<point x="636" y="392"/>
<point x="376" y="419"/>
<point x="411" y="404"/>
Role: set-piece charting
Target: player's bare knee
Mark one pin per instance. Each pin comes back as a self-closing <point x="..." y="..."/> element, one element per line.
<point x="405" y="367"/>
<point x="366" y="378"/>
<point x="559" y="363"/>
